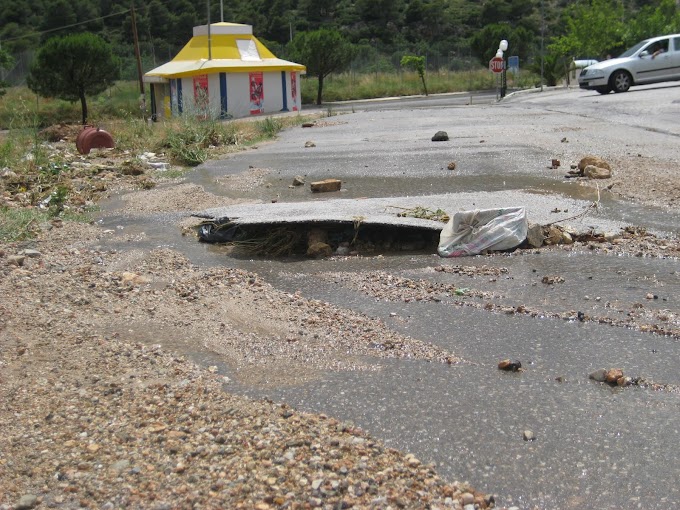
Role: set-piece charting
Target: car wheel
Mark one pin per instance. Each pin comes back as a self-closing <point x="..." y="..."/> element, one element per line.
<point x="604" y="90"/>
<point x="621" y="81"/>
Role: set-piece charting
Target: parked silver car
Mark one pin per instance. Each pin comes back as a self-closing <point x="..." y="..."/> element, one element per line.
<point x="650" y="61"/>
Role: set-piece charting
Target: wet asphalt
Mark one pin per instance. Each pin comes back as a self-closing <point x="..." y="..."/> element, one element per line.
<point x="596" y="446"/>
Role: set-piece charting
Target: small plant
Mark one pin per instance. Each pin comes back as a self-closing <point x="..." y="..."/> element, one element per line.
<point x="53" y="169"/>
<point x="270" y="127"/>
<point x="17" y="224"/>
<point x="57" y="199"/>
<point x="416" y="63"/>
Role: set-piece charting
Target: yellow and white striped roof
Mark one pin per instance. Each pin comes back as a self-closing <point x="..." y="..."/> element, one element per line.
<point x="233" y="49"/>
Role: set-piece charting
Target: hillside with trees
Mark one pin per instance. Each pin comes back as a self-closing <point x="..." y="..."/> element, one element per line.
<point x="450" y="34"/>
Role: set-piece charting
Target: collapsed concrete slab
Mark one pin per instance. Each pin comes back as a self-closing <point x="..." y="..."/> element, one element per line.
<point x="541" y="209"/>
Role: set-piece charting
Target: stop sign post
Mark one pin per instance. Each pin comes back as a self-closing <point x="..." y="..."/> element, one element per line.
<point x="497" y="65"/>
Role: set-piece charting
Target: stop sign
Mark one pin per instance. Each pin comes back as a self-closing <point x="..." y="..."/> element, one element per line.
<point x="496" y="65"/>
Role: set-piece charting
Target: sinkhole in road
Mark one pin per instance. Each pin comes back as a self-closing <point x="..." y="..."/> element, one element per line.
<point x="318" y="239"/>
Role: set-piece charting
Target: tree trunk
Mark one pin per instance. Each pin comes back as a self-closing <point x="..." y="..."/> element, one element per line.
<point x="319" y="93"/>
<point x="422" y="77"/>
<point x="83" y="105"/>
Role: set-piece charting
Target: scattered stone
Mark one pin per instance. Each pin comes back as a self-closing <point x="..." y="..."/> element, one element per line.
<point x="566" y="238"/>
<point x="613" y="375"/>
<point x="452" y="165"/>
<point x="593" y="161"/>
<point x="510" y="366"/>
<point x="440" y="136"/>
<point x="564" y="140"/>
<point x="120" y="466"/>
<point x="26" y="502"/>
<point x="326" y="185"/>
<point x="550" y="280"/>
<point x="553" y="235"/>
<point x="535" y="235"/>
<point x="599" y="375"/>
<point x="133" y="279"/>
<point x="555" y="163"/>
<point x="309" y="144"/>
<point x="319" y="250"/>
<point x="31" y="253"/>
<point x="467" y="498"/>
<point x="561" y="379"/>
<point x="15" y="260"/>
<point x="342" y="250"/>
<point x="529" y="435"/>
<point x="298" y="180"/>
<point x="594" y="172"/>
<point x="624" y="381"/>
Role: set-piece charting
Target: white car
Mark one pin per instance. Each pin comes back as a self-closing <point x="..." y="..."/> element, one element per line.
<point x="650" y="61"/>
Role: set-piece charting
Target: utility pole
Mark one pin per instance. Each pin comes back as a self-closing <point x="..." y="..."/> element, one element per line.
<point x="207" y="5"/>
<point x="139" y="63"/>
<point x="542" y="38"/>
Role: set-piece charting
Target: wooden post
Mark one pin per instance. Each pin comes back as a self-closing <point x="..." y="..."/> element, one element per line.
<point x="139" y="62"/>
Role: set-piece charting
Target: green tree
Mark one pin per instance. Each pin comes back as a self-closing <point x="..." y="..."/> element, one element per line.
<point x="417" y="63"/>
<point x="484" y="43"/>
<point x="73" y="67"/>
<point x="323" y="52"/>
<point x="593" y="30"/>
<point x="555" y="68"/>
<point x="6" y="62"/>
<point x="653" y="21"/>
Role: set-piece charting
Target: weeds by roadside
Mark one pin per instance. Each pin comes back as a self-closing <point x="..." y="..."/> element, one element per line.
<point x="43" y="176"/>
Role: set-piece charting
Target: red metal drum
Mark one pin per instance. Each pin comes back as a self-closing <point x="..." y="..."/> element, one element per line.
<point x="93" y="138"/>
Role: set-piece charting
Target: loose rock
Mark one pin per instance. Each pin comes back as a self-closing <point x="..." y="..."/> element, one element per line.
<point x="510" y="366"/>
<point x="326" y="185"/>
<point x="594" y="172"/>
<point x="440" y="136"/>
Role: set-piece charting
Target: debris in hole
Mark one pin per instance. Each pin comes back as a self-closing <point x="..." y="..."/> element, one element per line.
<point x="212" y="232"/>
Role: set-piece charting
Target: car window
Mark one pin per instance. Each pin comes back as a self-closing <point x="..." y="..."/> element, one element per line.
<point x="631" y="51"/>
<point x="658" y="47"/>
<point x="676" y="43"/>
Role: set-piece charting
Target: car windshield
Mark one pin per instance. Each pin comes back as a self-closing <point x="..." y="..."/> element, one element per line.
<point x="631" y="51"/>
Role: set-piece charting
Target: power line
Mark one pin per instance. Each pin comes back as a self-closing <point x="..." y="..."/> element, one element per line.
<point x="66" y="26"/>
